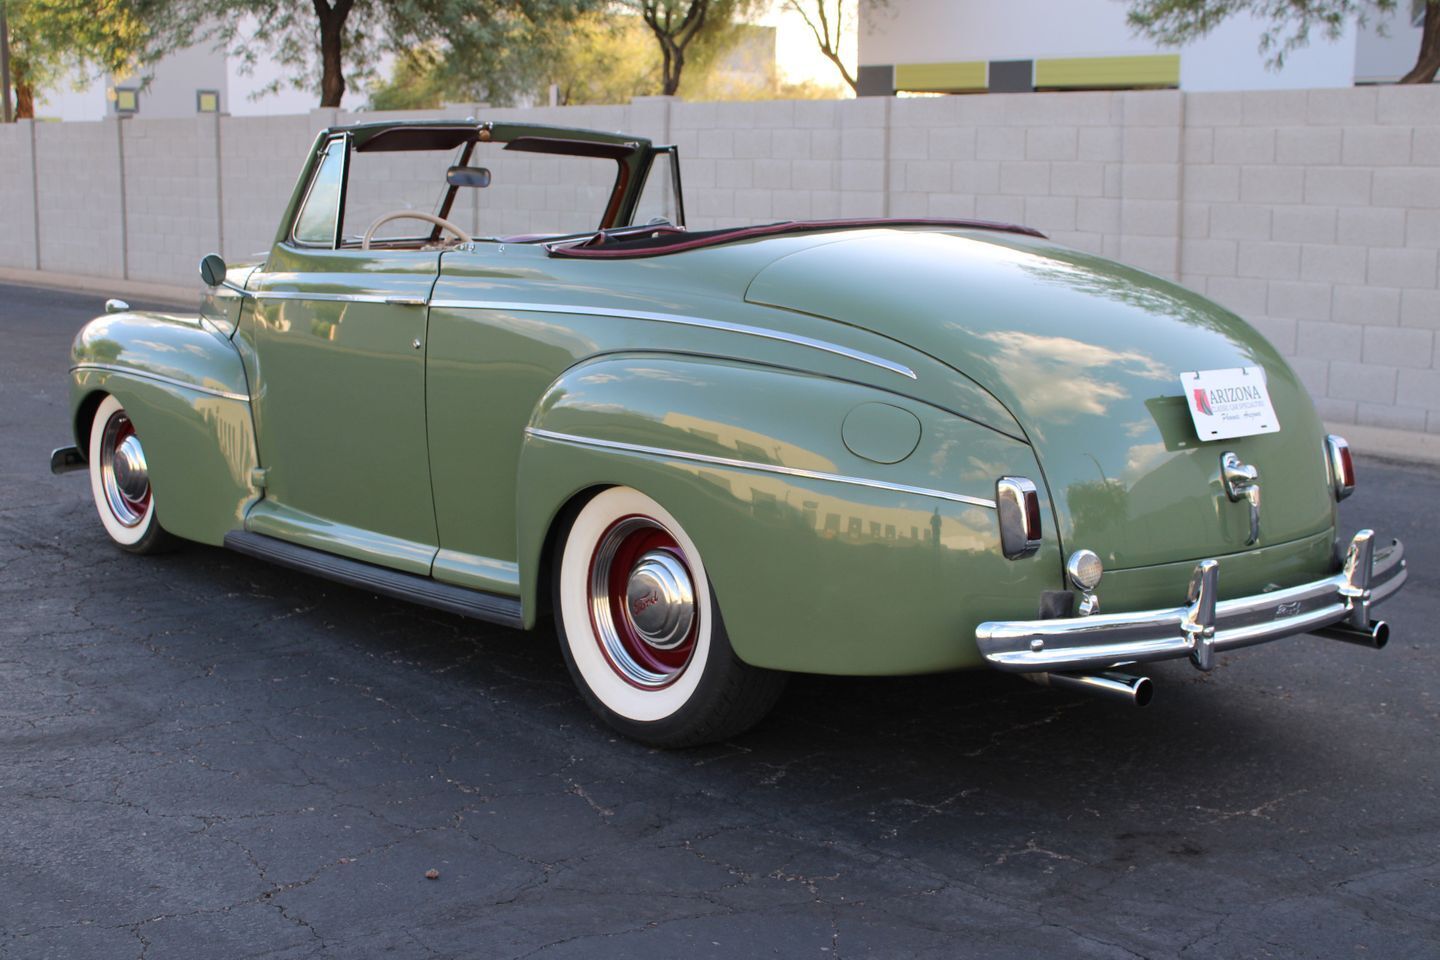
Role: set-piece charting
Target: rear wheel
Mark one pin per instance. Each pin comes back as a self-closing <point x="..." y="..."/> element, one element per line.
<point x="641" y="631"/>
<point x="120" y="482"/>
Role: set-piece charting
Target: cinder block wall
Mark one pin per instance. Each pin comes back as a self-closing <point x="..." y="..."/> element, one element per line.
<point x="1314" y="214"/>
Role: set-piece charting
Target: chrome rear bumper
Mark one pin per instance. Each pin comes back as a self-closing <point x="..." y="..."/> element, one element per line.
<point x="1337" y="607"/>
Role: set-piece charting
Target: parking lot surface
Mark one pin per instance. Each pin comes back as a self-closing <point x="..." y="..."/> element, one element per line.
<point x="204" y="756"/>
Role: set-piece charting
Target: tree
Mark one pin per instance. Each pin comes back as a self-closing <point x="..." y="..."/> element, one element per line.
<point x="674" y="33"/>
<point x="827" y="20"/>
<point x="607" y="58"/>
<point x="335" y="41"/>
<point x="513" y="71"/>
<point x="676" y="24"/>
<point x="1175" y="22"/>
<point x="49" y="38"/>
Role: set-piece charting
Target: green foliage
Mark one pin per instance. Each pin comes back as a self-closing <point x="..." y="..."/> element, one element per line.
<point x="503" y="72"/>
<point x="601" y="57"/>
<point x="1290" y="23"/>
<point x="607" y="58"/>
<point x="326" y="44"/>
<point x="49" y="38"/>
<point x="683" y="29"/>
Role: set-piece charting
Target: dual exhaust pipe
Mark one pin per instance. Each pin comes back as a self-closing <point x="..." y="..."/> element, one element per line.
<point x="1117" y="687"/>
<point x="1137" y="691"/>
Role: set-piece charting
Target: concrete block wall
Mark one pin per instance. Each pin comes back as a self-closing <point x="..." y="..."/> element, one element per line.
<point x="1313" y="214"/>
<point x="172" y="206"/>
<point x="260" y="158"/>
<point x="1316" y="216"/>
<point x="79" y="200"/>
<point x="18" y="244"/>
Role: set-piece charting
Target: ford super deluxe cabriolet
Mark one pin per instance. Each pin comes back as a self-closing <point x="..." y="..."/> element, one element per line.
<point x="850" y="447"/>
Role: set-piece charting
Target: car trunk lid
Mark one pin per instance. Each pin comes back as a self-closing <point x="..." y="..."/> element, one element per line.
<point x="1087" y="354"/>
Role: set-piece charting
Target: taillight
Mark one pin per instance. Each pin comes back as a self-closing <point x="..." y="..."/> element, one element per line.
<point x="1018" y="504"/>
<point x="1342" y="467"/>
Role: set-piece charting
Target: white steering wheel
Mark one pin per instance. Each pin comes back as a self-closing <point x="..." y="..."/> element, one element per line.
<point x="440" y="222"/>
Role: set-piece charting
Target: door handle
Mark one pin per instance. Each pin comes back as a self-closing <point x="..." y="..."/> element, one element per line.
<point x="406" y="301"/>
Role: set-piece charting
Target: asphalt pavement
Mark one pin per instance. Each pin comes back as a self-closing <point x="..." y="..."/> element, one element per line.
<point x="205" y="756"/>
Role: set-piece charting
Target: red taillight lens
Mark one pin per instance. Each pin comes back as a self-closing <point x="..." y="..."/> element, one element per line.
<point x="1342" y="467"/>
<point x="1018" y="504"/>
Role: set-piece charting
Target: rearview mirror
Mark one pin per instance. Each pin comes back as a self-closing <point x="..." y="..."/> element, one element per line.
<point x="467" y="177"/>
<point x="213" y="269"/>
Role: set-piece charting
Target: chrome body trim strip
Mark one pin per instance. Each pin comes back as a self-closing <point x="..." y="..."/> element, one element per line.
<point x="160" y="378"/>
<point x="1200" y="628"/>
<point x="683" y="320"/>
<point x="760" y="467"/>
<point x="326" y="297"/>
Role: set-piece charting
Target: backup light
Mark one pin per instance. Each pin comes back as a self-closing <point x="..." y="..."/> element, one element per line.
<point x="1084" y="569"/>
<point x="1342" y="467"/>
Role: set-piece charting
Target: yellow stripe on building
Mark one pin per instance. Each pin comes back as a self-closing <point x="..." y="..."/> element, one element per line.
<point x="1159" y="70"/>
<point x="940" y="77"/>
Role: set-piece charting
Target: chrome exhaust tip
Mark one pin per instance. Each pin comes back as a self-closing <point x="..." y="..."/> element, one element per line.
<point x="1120" y="687"/>
<point x="1375" y="636"/>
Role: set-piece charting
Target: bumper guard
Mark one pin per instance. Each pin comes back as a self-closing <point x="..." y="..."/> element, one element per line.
<point x="1337" y="607"/>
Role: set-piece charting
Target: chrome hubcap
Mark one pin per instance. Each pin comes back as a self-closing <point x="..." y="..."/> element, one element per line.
<point x="661" y="600"/>
<point x="124" y="474"/>
<point x="642" y="602"/>
<point x="131" y="474"/>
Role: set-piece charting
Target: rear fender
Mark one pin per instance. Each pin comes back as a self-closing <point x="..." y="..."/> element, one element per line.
<point x="823" y="560"/>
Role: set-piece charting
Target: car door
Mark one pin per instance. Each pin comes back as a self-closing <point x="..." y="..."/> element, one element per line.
<point x="339" y="342"/>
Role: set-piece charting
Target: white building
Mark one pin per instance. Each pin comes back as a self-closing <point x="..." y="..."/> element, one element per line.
<point x="198" y="79"/>
<point x="1003" y="46"/>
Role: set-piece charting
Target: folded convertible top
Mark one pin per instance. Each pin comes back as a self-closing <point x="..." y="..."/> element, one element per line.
<point x="669" y="240"/>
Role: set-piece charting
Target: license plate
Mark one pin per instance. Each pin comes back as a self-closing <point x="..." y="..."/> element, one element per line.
<point x="1229" y="403"/>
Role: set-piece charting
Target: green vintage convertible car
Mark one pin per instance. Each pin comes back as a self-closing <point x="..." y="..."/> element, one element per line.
<point x="717" y="457"/>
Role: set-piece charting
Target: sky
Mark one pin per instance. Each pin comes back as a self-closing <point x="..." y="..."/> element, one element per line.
<point x="796" y="53"/>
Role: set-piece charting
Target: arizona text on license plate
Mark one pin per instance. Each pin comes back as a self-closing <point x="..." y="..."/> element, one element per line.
<point x="1229" y="403"/>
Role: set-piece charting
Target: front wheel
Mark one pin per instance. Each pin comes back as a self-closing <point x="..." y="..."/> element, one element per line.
<point x="120" y="482"/>
<point x="641" y="632"/>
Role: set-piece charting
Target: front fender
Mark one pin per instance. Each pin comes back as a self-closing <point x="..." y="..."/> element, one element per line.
<point x="824" y="560"/>
<point x="183" y="385"/>
<point x="178" y="348"/>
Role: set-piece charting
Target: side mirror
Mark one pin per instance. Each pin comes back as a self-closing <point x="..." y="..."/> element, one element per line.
<point x="467" y="177"/>
<point x="213" y="269"/>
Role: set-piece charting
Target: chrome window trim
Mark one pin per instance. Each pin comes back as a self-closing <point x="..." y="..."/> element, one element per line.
<point x="160" y="378"/>
<point x="344" y="140"/>
<point x="683" y="320"/>
<point x="751" y="465"/>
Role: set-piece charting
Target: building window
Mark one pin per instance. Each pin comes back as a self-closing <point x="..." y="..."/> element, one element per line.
<point x="207" y="101"/>
<point x="1417" y="12"/>
<point x="127" y="101"/>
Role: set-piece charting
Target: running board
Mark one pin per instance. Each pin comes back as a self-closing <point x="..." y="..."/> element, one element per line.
<point x="367" y="576"/>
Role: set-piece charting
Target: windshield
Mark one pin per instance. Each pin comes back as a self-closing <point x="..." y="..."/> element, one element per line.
<point x="528" y="194"/>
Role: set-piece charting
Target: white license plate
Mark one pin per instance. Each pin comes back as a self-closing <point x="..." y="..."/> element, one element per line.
<point x="1229" y="403"/>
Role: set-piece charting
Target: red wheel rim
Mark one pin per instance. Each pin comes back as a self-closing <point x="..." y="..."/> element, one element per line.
<point x="641" y="599"/>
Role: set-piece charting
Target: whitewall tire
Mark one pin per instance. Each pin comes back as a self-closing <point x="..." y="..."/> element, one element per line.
<point x="120" y="482"/>
<point x="641" y="631"/>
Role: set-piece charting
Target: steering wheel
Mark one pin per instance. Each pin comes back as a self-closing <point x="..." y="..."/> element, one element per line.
<point x="440" y="222"/>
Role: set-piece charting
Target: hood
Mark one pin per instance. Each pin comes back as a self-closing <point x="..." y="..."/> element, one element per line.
<point x="1087" y="355"/>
